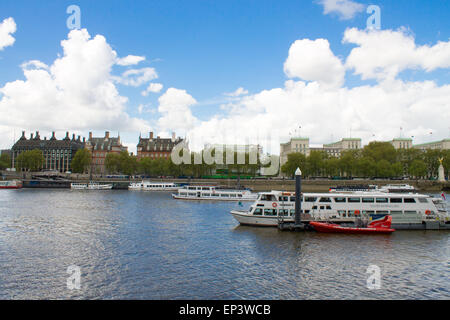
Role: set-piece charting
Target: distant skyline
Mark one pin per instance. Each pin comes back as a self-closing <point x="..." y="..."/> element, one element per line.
<point x="226" y="71"/>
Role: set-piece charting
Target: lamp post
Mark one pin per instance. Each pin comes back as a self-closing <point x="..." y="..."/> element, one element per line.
<point x="298" y="191"/>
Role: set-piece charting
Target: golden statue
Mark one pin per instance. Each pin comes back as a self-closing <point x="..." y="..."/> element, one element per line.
<point x="441" y="160"/>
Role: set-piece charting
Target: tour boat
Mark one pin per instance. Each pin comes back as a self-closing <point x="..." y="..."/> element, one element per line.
<point x="376" y="227"/>
<point x="393" y="188"/>
<point x="10" y="184"/>
<point x="153" y="186"/>
<point x="408" y="211"/>
<point x="214" y="193"/>
<point x="91" y="186"/>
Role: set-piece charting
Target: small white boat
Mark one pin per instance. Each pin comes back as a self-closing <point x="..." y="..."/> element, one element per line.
<point x="10" y="184"/>
<point x="214" y="193"/>
<point x="153" y="186"/>
<point x="91" y="186"/>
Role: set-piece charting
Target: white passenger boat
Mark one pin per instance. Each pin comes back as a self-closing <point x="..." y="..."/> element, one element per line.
<point x="408" y="211"/>
<point x="10" y="184"/>
<point x="393" y="188"/>
<point x="91" y="186"/>
<point x="153" y="186"/>
<point x="214" y="193"/>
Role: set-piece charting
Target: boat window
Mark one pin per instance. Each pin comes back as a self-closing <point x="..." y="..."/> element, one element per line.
<point x="354" y="200"/>
<point x="307" y="211"/>
<point x="223" y="195"/>
<point x="205" y="188"/>
<point x="192" y="194"/>
<point x="423" y="200"/>
<point x="183" y="194"/>
<point x="368" y="200"/>
<point x="396" y="200"/>
<point x="396" y="212"/>
<point x="233" y="195"/>
<point x="325" y="200"/>
<point x="351" y="213"/>
<point x="314" y="207"/>
<point x="257" y="212"/>
<point x="284" y="198"/>
<point x="382" y="212"/>
<point x="322" y="207"/>
<point x="292" y="199"/>
<point x="340" y="200"/>
<point x="283" y="212"/>
<point x="411" y="212"/>
<point x="328" y="207"/>
<point x="215" y="194"/>
<point x="268" y="197"/>
<point x="239" y="195"/>
<point x="382" y="200"/>
<point x="207" y="194"/>
<point x="410" y="200"/>
<point x="368" y="212"/>
<point x="310" y="199"/>
<point x="270" y="212"/>
<point x="342" y="213"/>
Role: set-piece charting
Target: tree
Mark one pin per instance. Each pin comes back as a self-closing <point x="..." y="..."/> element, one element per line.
<point x="112" y="162"/>
<point x="384" y="169"/>
<point x="295" y="160"/>
<point x="30" y="160"/>
<point x="81" y="161"/>
<point x="348" y="162"/>
<point x="5" y="161"/>
<point x="366" y="167"/>
<point x="380" y="151"/>
<point x="418" y="169"/>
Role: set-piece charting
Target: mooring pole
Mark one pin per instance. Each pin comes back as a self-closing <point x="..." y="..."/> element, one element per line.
<point x="298" y="193"/>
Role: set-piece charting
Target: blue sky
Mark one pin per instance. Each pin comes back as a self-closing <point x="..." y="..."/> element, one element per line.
<point x="209" y="48"/>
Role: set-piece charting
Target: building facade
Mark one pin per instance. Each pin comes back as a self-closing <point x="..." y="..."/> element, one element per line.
<point x="295" y="145"/>
<point x="437" y="145"/>
<point x="402" y="143"/>
<point x="100" y="147"/>
<point x="58" y="154"/>
<point x="156" y="148"/>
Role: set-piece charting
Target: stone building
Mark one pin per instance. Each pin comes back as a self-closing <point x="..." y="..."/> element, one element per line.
<point x="436" y="145"/>
<point x="58" y="154"/>
<point x="100" y="147"/>
<point x="156" y="148"/>
<point x="402" y="143"/>
<point x="294" y="145"/>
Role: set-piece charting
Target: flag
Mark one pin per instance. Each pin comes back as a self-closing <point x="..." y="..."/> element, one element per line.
<point x="443" y="196"/>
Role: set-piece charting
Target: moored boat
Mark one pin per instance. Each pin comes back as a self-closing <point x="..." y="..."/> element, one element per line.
<point x="11" y="184"/>
<point x="204" y="192"/>
<point x="376" y="227"/>
<point x="91" y="186"/>
<point x="153" y="186"/>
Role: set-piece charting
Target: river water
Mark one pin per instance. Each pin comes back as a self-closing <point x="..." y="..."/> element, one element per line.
<point x="139" y="245"/>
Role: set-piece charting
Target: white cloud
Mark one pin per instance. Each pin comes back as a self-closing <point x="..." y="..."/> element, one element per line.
<point x="313" y="60"/>
<point x="152" y="87"/>
<point x="129" y="60"/>
<point x="345" y="9"/>
<point x="137" y="77"/>
<point x="239" y="92"/>
<point x="7" y="28"/>
<point x="384" y="54"/>
<point x="74" y="93"/>
<point x="174" y="105"/>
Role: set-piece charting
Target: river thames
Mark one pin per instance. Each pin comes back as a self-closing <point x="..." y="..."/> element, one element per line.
<point x="141" y="245"/>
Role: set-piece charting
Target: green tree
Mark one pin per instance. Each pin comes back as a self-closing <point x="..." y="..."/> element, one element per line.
<point x="380" y="151"/>
<point x="366" y="167"/>
<point x="384" y="169"/>
<point x="418" y="169"/>
<point x="5" y="161"/>
<point x="112" y="162"/>
<point x="295" y="160"/>
<point x="30" y="160"/>
<point x="348" y="162"/>
<point x="81" y="161"/>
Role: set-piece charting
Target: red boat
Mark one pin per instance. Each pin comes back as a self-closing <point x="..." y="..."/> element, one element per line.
<point x="379" y="226"/>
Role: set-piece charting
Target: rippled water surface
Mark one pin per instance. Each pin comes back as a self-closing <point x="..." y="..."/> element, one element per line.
<point x="137" y="245"/>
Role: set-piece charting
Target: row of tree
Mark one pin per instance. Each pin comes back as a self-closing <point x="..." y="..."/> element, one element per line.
<point x="378" y="159"/>
<point x="5" y="161"/>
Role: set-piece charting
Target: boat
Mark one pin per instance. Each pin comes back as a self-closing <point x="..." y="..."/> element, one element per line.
<point x="153" y="186"/>
<point x="11" y="184"/>
<point x="390" y="188"/>
<point x="408" y="211"/>
<point x="91" y="186"/>
<point x="382" y="226"/>
<point x="205" y="192"/>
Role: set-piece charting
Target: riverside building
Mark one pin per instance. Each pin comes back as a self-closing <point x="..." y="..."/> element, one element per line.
<point x="156" y="148"/>
<point x="100" y="147"/>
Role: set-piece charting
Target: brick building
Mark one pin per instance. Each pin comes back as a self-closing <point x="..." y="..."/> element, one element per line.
<point x="58" y="154"/>
<point x="156" y="148"/>
<point x="100" y="147"/>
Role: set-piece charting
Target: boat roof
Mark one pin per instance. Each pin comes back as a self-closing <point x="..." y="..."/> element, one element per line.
<point x="345" y="194"/>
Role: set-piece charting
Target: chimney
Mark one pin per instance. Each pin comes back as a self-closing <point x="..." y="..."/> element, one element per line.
<point x="151" y="134"/>
<point x="73" y="137"/>
<point x="106" y="134"/>
<point x="53" y="136"/>
<point x="31" y="136"/>
<point x="84" y="140"/>
<point x="79" y="139"/>
<point x="23" y="135"/>
<point x="67" y="134"/>
<point x="37" y="136"/>
<point x="45" y="138"/>
<point x="90" y="135"/>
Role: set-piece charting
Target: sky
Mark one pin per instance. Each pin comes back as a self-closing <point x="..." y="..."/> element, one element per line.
<point x="226" y="71"/>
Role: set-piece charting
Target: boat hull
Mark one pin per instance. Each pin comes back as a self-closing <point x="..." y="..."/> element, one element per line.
<point x="334" y="228"/>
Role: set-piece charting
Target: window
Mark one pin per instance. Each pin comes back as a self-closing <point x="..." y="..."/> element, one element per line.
<point x="314" y="207"/>
<point x="354" y="200"/>
<point x="340" y="200"/>
<point x="382" y="212"/>
<point x="207" y="194"/>
<point x="223" y="195"/>
<point x="368" y="212"/>
<point x="368" y="200"/>
<point x="283" y="212"/>
<point x="292" y="199"/>
<point x="423" y="200"/>
<point x="257" y="212"/>
<point x="342" y="213"/>
<point x="396" y="212"/>
<point x="396" y="200"/>
<point x="382" y="200"/>
<point x="270" y="212"/>
<point x="322" y="207"/>
<point x="268" y="197"/>
<point x="328" y="207"/>
<point x="325" y="200"/>
<point x="410" y="200"/>
<point x="310" y="199"/>
<point x="284" y="198"/>
<point x="410" y="212"/>
<point x="233" y="195"/>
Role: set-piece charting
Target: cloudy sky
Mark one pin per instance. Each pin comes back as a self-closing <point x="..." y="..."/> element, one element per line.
<point x="226" y="71"/>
